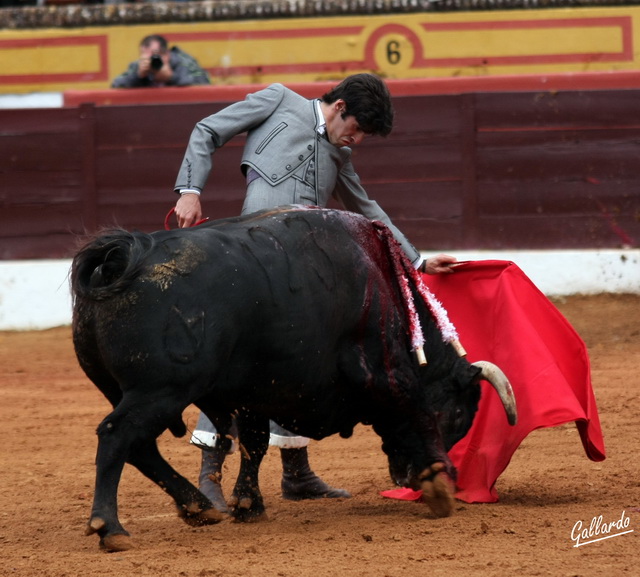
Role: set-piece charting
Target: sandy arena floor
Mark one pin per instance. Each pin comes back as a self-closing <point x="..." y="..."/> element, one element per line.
<point x="50" y="411"/>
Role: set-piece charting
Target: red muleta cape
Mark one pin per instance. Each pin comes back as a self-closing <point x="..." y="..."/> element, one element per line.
<point x="502" y="317"/>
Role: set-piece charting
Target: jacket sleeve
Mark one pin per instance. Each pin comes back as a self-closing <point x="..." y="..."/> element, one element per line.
<point x="130" y="79"/>
<point x="351" y="194"/>
<point x="216" y="130"/>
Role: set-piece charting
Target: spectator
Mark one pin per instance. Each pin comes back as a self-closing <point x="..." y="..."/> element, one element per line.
<point x="160" y="66"/>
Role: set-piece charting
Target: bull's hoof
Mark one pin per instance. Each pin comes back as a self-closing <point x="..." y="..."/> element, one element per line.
<point x="111" y="542"/>
<point x="437" y="490"/>
<point x="243" y="510"/>
<point x="94" y="525"/>
<point x="197" y="517"/>
<point x="115" y="543"/>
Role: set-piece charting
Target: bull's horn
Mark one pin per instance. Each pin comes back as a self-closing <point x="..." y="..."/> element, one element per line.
<point x="498" y="379"/>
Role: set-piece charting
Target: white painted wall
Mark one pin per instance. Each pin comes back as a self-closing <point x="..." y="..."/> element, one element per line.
<point x="567" y="272"/>
<point x="33" y="100"/>
<point x="34" y="294"/>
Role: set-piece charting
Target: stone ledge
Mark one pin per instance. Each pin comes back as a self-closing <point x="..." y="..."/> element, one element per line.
<point x="83" y="15"/>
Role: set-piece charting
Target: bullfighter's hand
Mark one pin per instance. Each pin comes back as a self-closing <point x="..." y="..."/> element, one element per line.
<point x="441" y="263"/>
<point x="188" y="210"/>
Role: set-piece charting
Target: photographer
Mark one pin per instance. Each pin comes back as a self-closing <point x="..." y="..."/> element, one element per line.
<point x="159" y="66"/>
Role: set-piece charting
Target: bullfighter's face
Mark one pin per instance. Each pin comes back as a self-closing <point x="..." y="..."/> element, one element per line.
<point x="342" y="130"/>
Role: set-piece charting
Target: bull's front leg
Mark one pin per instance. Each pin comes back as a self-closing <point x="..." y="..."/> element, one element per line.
<point x="436" y="474"/>
<point x="417" y="459"/>
<point x="246" y="502"/>
<point x="437" y="489"/>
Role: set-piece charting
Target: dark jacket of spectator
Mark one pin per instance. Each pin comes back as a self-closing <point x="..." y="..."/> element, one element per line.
<point x="185" y="72"/>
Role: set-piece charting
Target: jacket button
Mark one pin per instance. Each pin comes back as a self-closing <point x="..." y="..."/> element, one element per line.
<point x="274" y="177"/>
<point x="288" y="167"/>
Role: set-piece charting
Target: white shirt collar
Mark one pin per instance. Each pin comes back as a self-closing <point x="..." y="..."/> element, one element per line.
<point x="322" y="123"/>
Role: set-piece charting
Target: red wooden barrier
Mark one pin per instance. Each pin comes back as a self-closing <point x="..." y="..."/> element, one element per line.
<point x="518" y="169"/>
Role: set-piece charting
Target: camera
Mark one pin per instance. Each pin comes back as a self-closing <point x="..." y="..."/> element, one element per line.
<point x="156" y="62"/>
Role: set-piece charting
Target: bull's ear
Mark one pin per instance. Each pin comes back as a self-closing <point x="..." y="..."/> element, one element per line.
<point x="465" y="377"/>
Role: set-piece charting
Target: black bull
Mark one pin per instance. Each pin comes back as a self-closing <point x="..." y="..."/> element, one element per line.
<point x="293" y="315"/>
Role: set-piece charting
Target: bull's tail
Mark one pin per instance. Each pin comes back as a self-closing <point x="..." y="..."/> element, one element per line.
<point x="109" y="263"/>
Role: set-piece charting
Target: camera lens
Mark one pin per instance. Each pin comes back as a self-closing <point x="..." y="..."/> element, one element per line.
<point x="156" y="62"/>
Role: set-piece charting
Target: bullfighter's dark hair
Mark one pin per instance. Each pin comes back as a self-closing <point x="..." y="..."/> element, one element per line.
<point x="367" y="98"/>
<point x="147" y="40"/>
